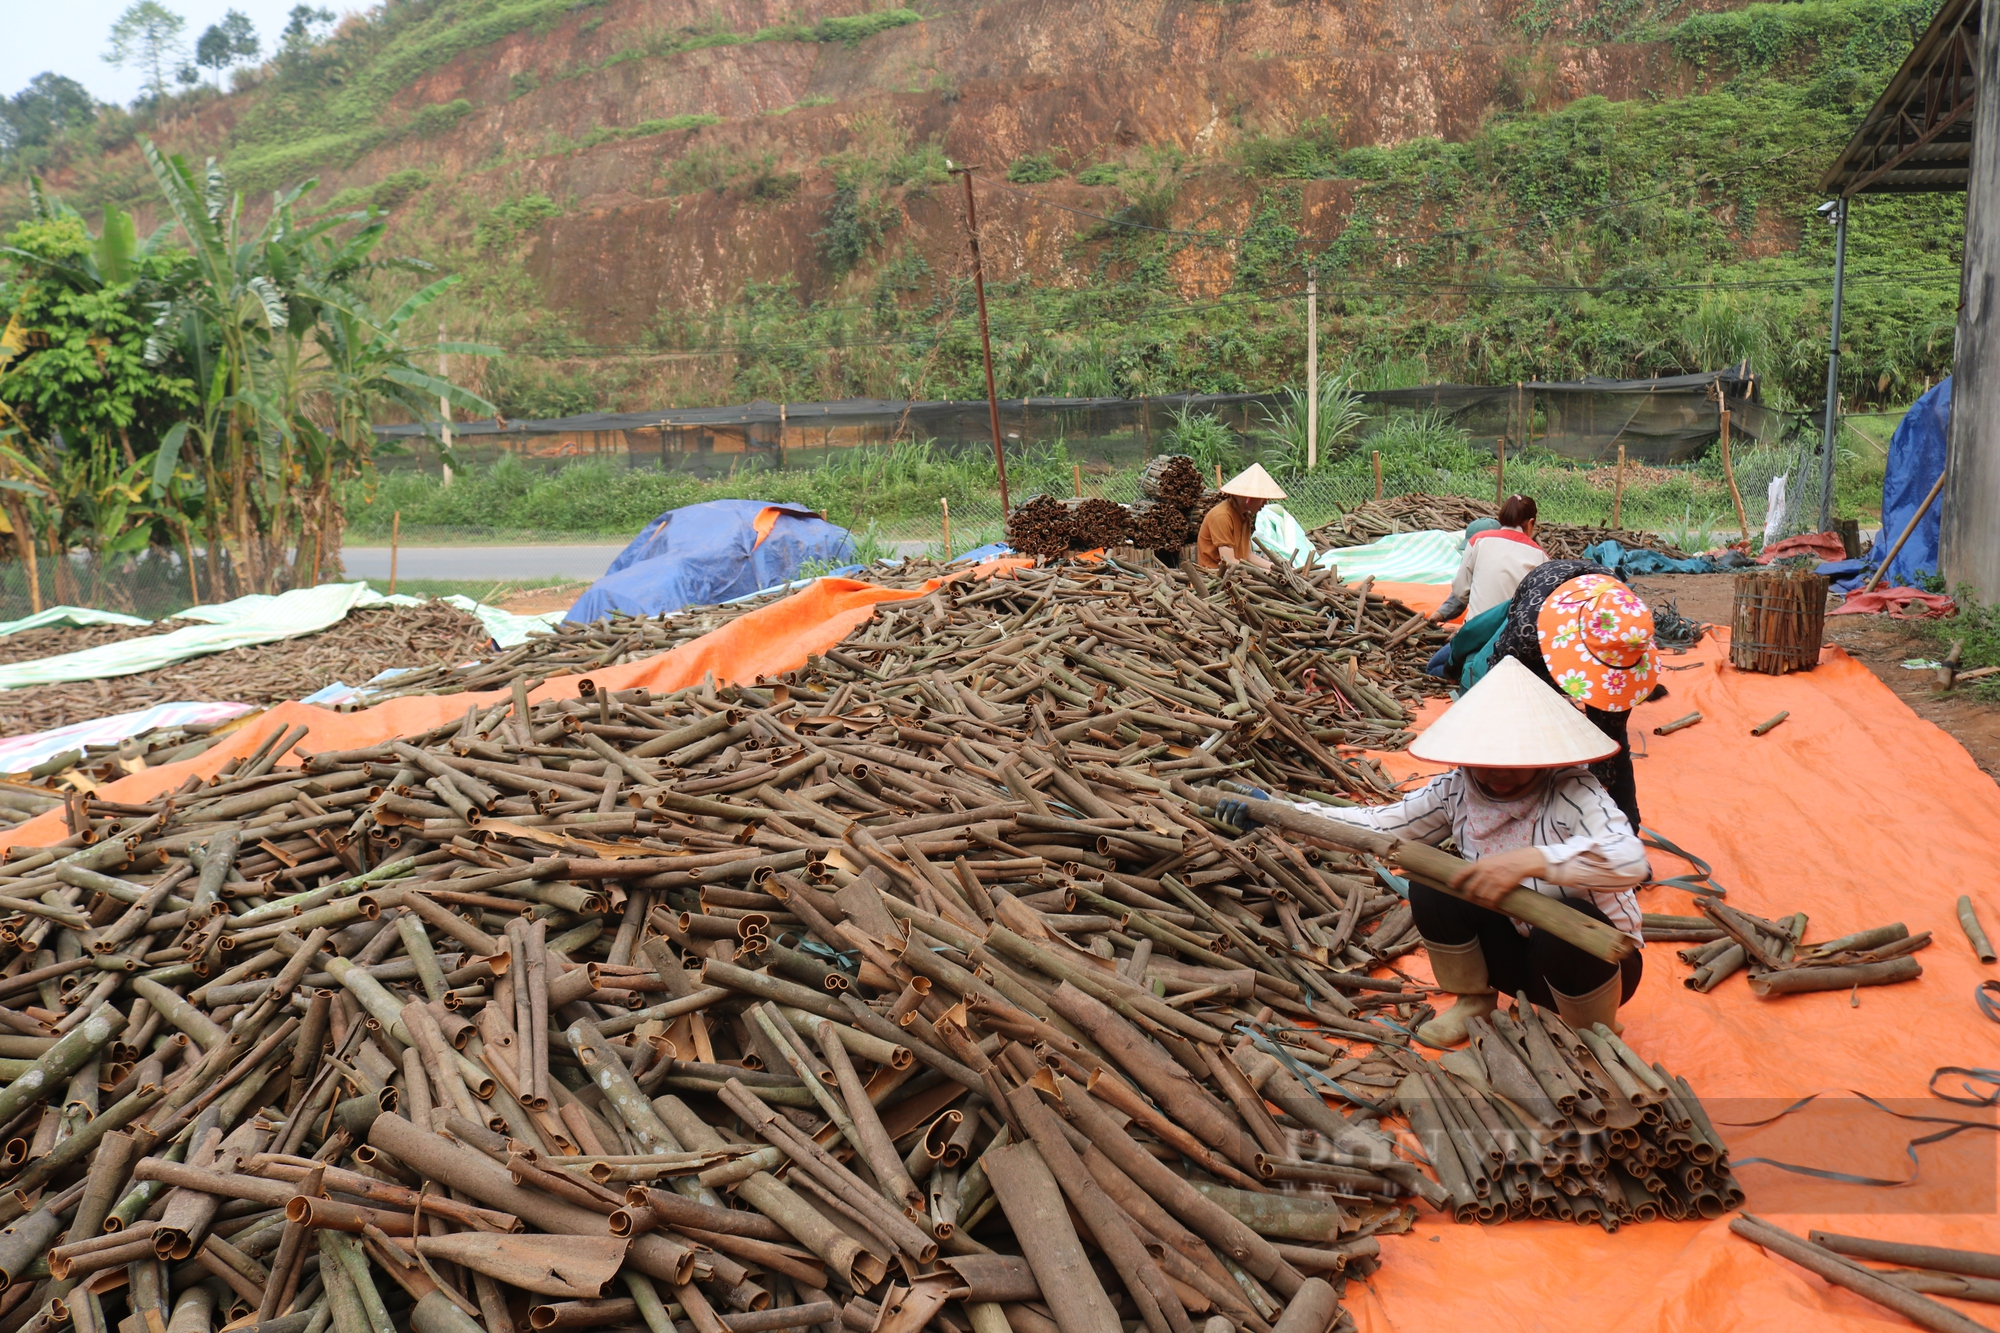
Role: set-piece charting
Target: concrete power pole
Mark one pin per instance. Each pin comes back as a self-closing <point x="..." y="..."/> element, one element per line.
<point x="1312" y="369"/>
<point x="444" y="403"/>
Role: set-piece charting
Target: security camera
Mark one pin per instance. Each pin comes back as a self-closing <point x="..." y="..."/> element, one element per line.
<point x="1827" y="209"/>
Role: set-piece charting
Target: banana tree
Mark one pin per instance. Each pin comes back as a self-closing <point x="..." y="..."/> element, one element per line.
<point x="25" y="496"/>
<point x="366" y="365"/>
<point x="295" y="366"/>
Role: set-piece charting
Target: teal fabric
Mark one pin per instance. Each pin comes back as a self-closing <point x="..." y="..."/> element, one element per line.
<point x="1401" y="557"/>
<point x="1472" y="646"/>
<point x="1277" y="529"/>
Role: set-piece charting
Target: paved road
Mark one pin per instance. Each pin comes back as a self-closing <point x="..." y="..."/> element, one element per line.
<point x="502" y="562"/>
<point x="480" y="562"/>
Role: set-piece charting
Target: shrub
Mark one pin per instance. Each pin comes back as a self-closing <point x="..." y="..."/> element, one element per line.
<point x="507" y="221"/>
<point x="770" y="185"/>
<point x="855" y="28"/>
<point x="1034" y="169"/>
<point x="856" y="222"/>
<point x="1308" y="154"/>
<point x="707" y="168"/>
<point x="1204" y="438"/>
<point x="1284" y="430"/>
<point x="435" y="119"/>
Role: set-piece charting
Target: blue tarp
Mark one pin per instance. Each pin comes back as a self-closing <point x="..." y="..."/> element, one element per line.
<point x="710" y="553"/>
<point x="1916" y="457"/>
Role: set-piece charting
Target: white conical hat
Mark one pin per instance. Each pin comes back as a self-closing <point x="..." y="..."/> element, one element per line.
<point x="1254" y="483"/>
<point x="1512" y="719"/>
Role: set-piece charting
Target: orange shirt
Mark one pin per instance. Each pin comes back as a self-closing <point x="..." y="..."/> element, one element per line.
<point x="1224" y="526"/>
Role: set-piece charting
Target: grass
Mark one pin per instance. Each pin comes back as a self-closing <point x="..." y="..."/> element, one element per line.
<point x="479" y="590"/>
<point x="1978" y="624"/>
<point x="890" y="493"/>
<point x="599" y="500"/>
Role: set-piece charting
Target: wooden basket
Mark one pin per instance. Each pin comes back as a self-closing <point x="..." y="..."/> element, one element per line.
<point x="1778" y="621"/>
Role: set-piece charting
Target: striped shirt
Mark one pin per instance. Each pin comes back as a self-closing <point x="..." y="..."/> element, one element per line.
<point x="1592" y="853"/>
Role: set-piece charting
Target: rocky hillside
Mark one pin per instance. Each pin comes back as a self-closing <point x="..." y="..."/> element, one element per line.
<point x="662" y="201"/>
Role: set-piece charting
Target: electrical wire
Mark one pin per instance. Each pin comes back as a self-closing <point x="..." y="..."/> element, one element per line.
<point x="1374" y="287"/>
<point x="1453" y="233"/>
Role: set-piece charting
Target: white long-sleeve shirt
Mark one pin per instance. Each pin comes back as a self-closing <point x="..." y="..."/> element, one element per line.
<point x="1591" y="850"/>
<point x="1492" y="569"/>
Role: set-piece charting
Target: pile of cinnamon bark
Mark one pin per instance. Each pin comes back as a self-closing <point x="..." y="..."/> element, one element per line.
<point x="919" y="989"/>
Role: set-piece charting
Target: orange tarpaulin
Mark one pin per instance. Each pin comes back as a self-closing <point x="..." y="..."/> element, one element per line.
<point x="1854" y="811"/>
<point x="1858" y="813"/>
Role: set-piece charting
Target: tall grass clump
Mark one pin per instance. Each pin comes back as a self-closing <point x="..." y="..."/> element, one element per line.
<point x="1284" y="432"/>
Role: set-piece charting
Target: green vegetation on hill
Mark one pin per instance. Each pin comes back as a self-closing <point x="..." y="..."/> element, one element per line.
<point x="1651" y="236"/>
<point x="1656" y="235"/>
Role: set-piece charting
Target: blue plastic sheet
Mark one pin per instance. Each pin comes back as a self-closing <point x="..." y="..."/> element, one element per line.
<point x="1916" y="457"/>
<point x="981" y="554"/>
<point x="711" y="552"/>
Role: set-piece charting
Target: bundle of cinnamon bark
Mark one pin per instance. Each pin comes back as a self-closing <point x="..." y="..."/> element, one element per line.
<point x="1780" y="963"/>
<point x="1418" y="512"/>
<point x="1536" y="1119"/>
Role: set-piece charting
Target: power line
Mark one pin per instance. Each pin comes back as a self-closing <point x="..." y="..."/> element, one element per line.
<point x="638" y="351"/>
<point x="1454" y="233"/>
<point x="1423" y="237"/>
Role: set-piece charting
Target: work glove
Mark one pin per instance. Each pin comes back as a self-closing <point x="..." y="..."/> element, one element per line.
<point x="1235" y="810"/>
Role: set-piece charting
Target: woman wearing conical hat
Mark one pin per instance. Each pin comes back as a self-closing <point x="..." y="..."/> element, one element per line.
<point x="1522" y="806"/>
<point x="1227" y="534"/>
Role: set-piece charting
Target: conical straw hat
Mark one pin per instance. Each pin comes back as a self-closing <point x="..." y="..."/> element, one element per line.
<point x="1254" y="483"/>
<point x="1512" y="719"/>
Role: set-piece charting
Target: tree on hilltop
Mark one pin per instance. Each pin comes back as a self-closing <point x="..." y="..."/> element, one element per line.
<point x="150" y="38"/>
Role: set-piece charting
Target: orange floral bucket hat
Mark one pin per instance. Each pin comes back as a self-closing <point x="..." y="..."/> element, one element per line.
<point x="1597" y="638"/>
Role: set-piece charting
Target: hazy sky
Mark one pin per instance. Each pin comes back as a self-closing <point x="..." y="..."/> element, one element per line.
<point x="70" y="38"/>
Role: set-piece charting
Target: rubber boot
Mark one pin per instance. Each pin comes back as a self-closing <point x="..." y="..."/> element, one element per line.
<point x="1600" y="1006"/>
<point x="1460" y="969"/>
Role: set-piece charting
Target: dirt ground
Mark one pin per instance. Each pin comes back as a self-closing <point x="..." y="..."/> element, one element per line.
<point x="535" y="601"/>
<point x="1880" y="643"/>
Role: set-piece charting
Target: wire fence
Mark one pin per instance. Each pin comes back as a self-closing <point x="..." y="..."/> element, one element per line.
<point x="151" y="584"/>
<point x="1690" y="506"/>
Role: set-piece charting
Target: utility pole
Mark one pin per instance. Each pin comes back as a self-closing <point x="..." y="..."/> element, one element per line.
<point x="1312" y="369"/>
<point x="1832" y="426"/>
<point x="444" y="403"/>
<point x="985" y="339"/>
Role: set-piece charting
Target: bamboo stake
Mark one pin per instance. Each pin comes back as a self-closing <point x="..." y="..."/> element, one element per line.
<point x="1618" y="491"/>
<point x="1729" y="474"/>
